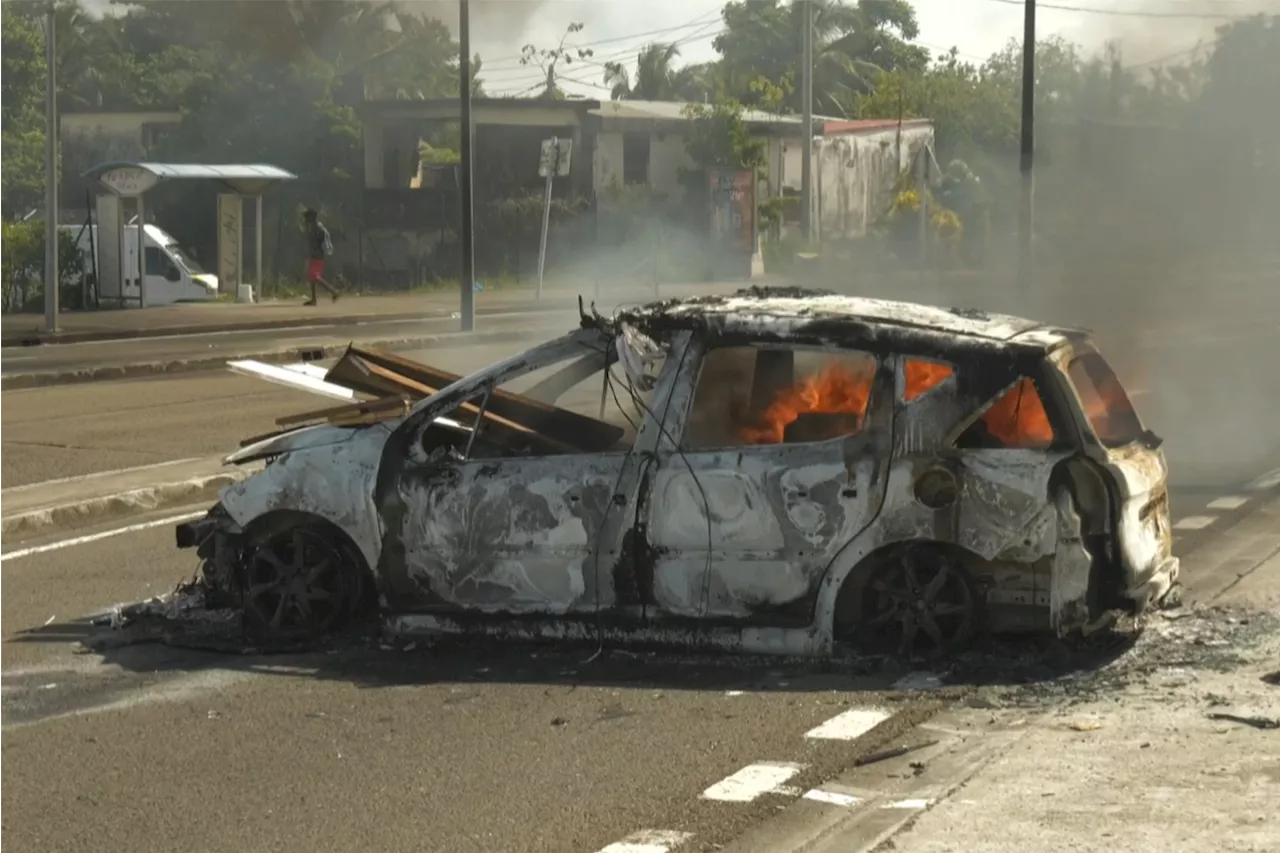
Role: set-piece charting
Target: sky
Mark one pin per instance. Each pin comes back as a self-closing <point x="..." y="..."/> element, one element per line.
<point x="1148" y="31"/>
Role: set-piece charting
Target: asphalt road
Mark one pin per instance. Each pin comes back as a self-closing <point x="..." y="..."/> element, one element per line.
<point x="69" y="430"/>
<point x="368" y="747"/>
<point x="178" y="348"/>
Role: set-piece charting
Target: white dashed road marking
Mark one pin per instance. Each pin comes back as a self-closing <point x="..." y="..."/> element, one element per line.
<point x="850" y="725"/>
<point x="907" y="804"/>
<point x="648" y="841"/>
<point x="752" y="781"/>
<point x="1195" y="522"/>
<point x="1267" y="481"/>
<point x="1229" y="502"/>
<point x="94" y="537"/>
<point x="833" y="798"/>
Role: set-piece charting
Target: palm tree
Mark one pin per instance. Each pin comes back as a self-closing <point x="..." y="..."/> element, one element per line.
<point x="852" y="43"/>
<point x="655" y="79"/>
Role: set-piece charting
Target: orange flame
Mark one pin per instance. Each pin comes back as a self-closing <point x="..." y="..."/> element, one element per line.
<point x="1018" y="419"/>
<point x="835" y="389"/>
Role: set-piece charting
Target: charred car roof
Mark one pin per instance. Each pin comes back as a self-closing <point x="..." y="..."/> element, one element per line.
<point x="790" y="313"/>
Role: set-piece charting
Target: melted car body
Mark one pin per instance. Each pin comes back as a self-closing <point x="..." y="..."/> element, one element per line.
<point x="778" y="471"/>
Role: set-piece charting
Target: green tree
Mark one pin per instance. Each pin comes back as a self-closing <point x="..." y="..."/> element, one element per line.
<point x="657" y="77"/>
<point x="852" y="43"/>
<point x="22" y="55"/>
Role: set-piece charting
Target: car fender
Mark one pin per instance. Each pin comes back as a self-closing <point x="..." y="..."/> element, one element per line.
<point x="332" y="480"/>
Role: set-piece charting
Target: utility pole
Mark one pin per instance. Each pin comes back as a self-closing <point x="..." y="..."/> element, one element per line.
<point x="468" y="285"/>
<point x="1026" y="163"/>
<point x="806" y="95"/>
<point x="51" y="173"/>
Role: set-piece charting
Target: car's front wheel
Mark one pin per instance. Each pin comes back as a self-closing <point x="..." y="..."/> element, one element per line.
<point x="300" y="580"/>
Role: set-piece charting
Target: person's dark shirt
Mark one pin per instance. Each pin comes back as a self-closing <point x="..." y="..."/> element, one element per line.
<point x="316" y="235"/>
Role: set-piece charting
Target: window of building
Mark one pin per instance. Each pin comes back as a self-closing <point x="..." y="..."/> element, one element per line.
<point x="749" y="396"/>
<point x="635" y="158"/>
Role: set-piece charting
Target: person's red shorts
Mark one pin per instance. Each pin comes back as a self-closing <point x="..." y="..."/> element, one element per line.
<point x="315" y="269"/>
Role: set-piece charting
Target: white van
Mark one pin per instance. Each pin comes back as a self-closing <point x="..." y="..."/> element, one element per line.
<point x="172" y="274"/>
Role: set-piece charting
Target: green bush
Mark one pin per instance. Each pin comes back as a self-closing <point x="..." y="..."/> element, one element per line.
<point x="22" y="268"/>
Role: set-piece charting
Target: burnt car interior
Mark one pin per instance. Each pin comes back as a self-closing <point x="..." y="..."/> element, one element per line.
<point x="757" y="395"/>
<point x="583" y="406"/>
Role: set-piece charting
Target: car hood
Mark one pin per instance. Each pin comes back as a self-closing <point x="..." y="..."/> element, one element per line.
<point x="305" y="438"/>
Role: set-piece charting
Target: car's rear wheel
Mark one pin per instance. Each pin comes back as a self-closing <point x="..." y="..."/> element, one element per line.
<point x="300" y="581"/>
<point x="919" y="602"/>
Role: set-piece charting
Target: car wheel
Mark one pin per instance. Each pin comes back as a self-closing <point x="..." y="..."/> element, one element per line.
<point x="920" y="603"/>
<point x="299" y="582"/>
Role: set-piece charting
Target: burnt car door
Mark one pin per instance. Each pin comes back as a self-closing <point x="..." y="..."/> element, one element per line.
<point x="774" y="458"/>
<point x="504" y="494"/>
<point x="974" y="451"/>
<point x="1115" y="436"/>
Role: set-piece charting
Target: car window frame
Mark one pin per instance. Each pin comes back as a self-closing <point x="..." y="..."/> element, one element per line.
<point x="700" y="348"/>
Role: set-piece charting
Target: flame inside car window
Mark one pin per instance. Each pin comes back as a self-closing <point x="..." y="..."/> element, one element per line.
<point x="837" y="388"/>
<point x="1017" y="420"/>
<point x="923" y="376"/>
<point x="1106" y="405"/>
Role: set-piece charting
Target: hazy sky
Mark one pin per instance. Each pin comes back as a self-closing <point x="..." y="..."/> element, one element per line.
<point x="1148" y="30"/>
<point x="615" y="29"/>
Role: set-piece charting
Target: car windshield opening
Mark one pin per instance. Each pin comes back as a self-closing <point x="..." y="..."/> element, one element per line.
<point x="1105" y="402"/>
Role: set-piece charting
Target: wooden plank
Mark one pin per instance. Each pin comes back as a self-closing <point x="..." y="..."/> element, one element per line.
<point x="388" y="406"/>
<point x="583" y="433"/>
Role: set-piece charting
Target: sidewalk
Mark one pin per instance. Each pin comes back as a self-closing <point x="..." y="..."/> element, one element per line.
<point x="79" y="501"/>
<point x="211" y="317"/>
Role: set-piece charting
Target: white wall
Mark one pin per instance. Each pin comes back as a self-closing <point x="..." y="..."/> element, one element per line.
<point x="854" y="175"/>
<point x="606" y="165"/>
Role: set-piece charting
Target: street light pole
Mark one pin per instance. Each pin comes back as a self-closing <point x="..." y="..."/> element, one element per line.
<point x="806" y="95"/>
<point x="51" y="174"/>
<point x="467" y="226"/>
<point x="1026" y="163"/>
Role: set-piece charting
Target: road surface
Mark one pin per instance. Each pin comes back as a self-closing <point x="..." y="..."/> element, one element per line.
<point x="444" y="748"/>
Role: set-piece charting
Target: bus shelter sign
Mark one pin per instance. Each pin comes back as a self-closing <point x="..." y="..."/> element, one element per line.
<point x="128" y="181"/>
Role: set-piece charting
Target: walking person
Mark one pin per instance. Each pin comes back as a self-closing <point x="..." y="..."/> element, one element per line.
<point x="319" y="247"/>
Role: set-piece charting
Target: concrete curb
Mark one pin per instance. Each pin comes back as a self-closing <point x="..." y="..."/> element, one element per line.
<point x="39" y="338"/>
<point x="18" y="381"/>
<point x="108" y="507"/>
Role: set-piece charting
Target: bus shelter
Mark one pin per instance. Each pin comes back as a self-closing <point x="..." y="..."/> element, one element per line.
<point x="121" y="183"/>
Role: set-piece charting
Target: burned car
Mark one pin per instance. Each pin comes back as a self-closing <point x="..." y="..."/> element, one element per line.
<point x="779" y="471"/>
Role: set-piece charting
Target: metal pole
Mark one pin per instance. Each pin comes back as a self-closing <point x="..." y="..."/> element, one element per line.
<point x="546" y="210"/>
<point x="257" y="234"/>
<point x="806" y="94"/>
<point x="468" y="310"/>
<point x="922" y="187"/>
<point x="51" y="174"/>
<point x="1026" y="163"/>
<point x="142" y="254"/>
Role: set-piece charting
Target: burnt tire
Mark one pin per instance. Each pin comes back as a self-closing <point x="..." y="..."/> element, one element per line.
<point x="300" y="580"/>
<point x="919" y="602"/>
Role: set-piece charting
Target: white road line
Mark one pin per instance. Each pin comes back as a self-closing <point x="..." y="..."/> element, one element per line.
<point x="907" y="804"/>
<point x="850" y="725"/>
<point x="95" y="537"/>
<point x="833" y="798"/>
<point x="752" y="781"/>
<point x="1194" y="522"/>
<point x="648" y="841"/>
<point x="1229" y="502"/>
<point x="99" y="475"/>
<point x="1266" y="481"/>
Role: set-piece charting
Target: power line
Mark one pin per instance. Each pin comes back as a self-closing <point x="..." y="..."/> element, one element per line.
<point x="1129" y="13"/>
<point x="696" y="22"/>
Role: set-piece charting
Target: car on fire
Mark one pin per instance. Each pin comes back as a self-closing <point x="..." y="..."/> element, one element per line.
<point x="781" y="471"/>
